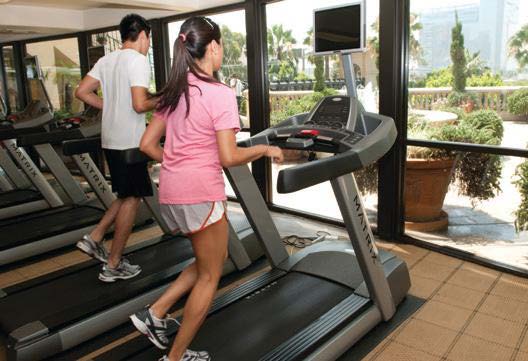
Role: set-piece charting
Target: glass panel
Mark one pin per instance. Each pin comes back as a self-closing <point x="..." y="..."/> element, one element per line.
<point x="292" y="75"/>
<point x="104" y="43"/>
<point x="481" y="207"/>
<point x="480" y="75"/>
<point x="59" y="62"/>
<point x="12" y="87"/>
<point x="234" y="67"/>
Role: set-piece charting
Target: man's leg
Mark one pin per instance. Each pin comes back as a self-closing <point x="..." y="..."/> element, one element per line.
<point x="124" y="222"/>
<point x="104" y="224"/>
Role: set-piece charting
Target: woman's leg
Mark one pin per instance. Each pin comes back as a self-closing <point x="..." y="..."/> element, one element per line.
<point x="210" y="247"/>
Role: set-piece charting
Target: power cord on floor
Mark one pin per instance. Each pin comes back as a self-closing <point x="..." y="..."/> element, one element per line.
<point x="302" y="242"/>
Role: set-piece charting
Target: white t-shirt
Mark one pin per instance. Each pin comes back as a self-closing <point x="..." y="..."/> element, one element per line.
<point x="117" y="72"/>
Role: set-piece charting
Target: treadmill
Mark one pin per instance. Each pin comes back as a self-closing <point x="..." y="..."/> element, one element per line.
<point x="29" y="191"/>
<point x="317" y="303"/>
<point x="64" y="224"/>
<point x="49" y="325"/>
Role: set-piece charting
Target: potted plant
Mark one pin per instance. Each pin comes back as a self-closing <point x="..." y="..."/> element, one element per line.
<point x="521" y="215"/>
<point x="429" y="171"/>
<point x="518" y="103"/>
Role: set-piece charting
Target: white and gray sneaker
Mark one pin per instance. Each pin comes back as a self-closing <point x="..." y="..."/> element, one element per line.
<point x="191" y="356"/>
<point x="92" y="248"/>
<point x="123" y="271"/>
<point x="152" y="327"/>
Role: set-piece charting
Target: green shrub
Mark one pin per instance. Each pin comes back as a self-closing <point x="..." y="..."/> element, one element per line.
<point x="456" y="99"/>
<point x="518" y="102"/>
<point x="521" y="215"/>
<point x="439" y="78"/>
<point x="477" y="174"/>
<point x="288" y="108"/>
<point x="302" y="76"/>
<point x="486" y="79"/>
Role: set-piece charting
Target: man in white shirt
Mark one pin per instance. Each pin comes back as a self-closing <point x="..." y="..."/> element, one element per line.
<point x="124" y="77"/>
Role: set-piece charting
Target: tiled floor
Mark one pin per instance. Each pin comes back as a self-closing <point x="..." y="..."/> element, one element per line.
<point x="471" y="313"/>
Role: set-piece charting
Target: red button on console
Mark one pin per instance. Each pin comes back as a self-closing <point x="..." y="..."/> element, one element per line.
<point x="312" y="132"/>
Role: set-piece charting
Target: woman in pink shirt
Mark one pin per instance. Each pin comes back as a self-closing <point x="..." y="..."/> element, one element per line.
<point x="199" y="117"/>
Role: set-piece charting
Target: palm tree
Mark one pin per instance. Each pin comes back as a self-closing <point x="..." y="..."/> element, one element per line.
<point x="518" y="47"/>
<point x="280" y="43"/>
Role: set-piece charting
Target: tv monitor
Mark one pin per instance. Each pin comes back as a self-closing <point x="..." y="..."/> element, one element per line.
<point x="339" y="29"/>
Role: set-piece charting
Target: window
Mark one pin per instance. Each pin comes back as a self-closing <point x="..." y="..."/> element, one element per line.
<point x="234" y="67"/>
<point x="468" y="91"/>
<point x="293" y="73"/>
<point x="101" y="44"/>
<point x="59" y="62"/>
<point x="13" y="93"/>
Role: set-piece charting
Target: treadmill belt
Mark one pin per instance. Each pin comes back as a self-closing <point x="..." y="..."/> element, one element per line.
<point x="260" y="322"/>
<point x="84" y="295"/>
<point x="36" y="226"/>
<point x="18" y="196"/>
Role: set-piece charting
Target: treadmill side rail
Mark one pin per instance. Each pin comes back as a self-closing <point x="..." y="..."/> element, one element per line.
<point x="28" y="333"/>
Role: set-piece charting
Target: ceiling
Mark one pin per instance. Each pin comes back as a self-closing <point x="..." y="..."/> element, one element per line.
<point x="26" y="19"/>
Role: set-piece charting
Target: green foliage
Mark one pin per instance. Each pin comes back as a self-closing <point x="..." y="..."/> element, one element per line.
<point x="288" y="108"/>
<point x="486" y="79"/>
<point x="301" y="76"/>
<point x="60" y="114"/>
<point x="521" y="215"/>
<point x="518" y="102"/>
<point x="456" y="99"/>
<point x="280" y="43"/>
<point x="518" y="47"/>
<point x="477" y="174"/>
<point x="234" y="47"/>
<point x="458" y="57"/>
<point x="439" y="78"/>
<point x="319" y="84"/>
<point x="244" y="107"/>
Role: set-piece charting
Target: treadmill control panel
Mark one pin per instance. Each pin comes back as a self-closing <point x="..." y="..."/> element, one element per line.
<point x="333" y="112"/>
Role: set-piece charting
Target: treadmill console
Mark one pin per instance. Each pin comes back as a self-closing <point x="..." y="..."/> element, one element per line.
<point x="333" y="112"/>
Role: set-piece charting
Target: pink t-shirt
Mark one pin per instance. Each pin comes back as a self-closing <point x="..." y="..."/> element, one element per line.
<point x="191" y="171"/>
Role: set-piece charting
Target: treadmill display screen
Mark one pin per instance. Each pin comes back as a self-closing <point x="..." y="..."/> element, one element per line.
<point x="338" y="29"/>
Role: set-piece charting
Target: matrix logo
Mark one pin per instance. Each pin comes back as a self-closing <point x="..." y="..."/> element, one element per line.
<point x="24" y="160"/>
<point x="373" y="250"/>
<point x="92" y="172"/>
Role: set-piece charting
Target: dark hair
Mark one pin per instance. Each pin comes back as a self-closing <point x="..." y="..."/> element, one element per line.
<point x="132" y="25"/>
<point x="194" y="36"/>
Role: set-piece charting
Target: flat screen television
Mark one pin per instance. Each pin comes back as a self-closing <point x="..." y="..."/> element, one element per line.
<point x="339" y="29"/>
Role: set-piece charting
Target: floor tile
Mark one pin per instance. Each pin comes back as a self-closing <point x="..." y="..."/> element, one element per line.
<point x="442" y="259"/>
<point x="524" y="344"/>
<point x="495" y="329"/>
<point x="10" y="278"/>
<point x="39" y="268"/>
<point x="458" y="296"/>
<point x="506" y="308"/>
<point x="510" y="288"/>
<point x="371" y="356"/>
<point x="398" y="352"/>
<point x="426" y="337"/>
<point x="473" y="279"/>
<point x="410" y="255"/>
<point x="444" y="315"/>
<point x="522" y="356"/>
<point x="469" y="348"/>
<point x="431" y="270"/>
<point x="423" y="287"/>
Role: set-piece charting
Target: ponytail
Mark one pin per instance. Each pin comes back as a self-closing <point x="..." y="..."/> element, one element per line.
<point x="195" y="34"/>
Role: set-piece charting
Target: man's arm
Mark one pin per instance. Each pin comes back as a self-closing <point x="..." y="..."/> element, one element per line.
<point x="142" y="101"/>
<point x="85" y="92"/>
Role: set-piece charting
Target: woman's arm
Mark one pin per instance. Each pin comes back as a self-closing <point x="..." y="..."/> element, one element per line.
<point x="231" y="155"/>
<point x="150" y="142"/>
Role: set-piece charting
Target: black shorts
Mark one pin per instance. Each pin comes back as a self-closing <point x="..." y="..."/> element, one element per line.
<point x="128" y="180"/>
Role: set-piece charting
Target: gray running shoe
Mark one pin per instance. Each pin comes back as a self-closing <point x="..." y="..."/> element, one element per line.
<point x="123" y="271"/>
<point x="195" y="356"/>
<point x="92" y="248"/>
<point x="191" y="356"/>
<point x="152" y="327"/>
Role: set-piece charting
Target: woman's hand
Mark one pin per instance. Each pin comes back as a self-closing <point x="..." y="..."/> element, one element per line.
<point x="275" y="153"/>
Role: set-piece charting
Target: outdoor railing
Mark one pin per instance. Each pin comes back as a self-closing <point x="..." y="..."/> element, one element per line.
<point x="494" y="98"/>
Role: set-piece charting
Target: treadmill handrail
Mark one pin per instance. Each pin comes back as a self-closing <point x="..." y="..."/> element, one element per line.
<point x="309" y="174"/>
<point x="80" y="146"/>
<point x="12" y="133"/>
<point x="56" y="136"/>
